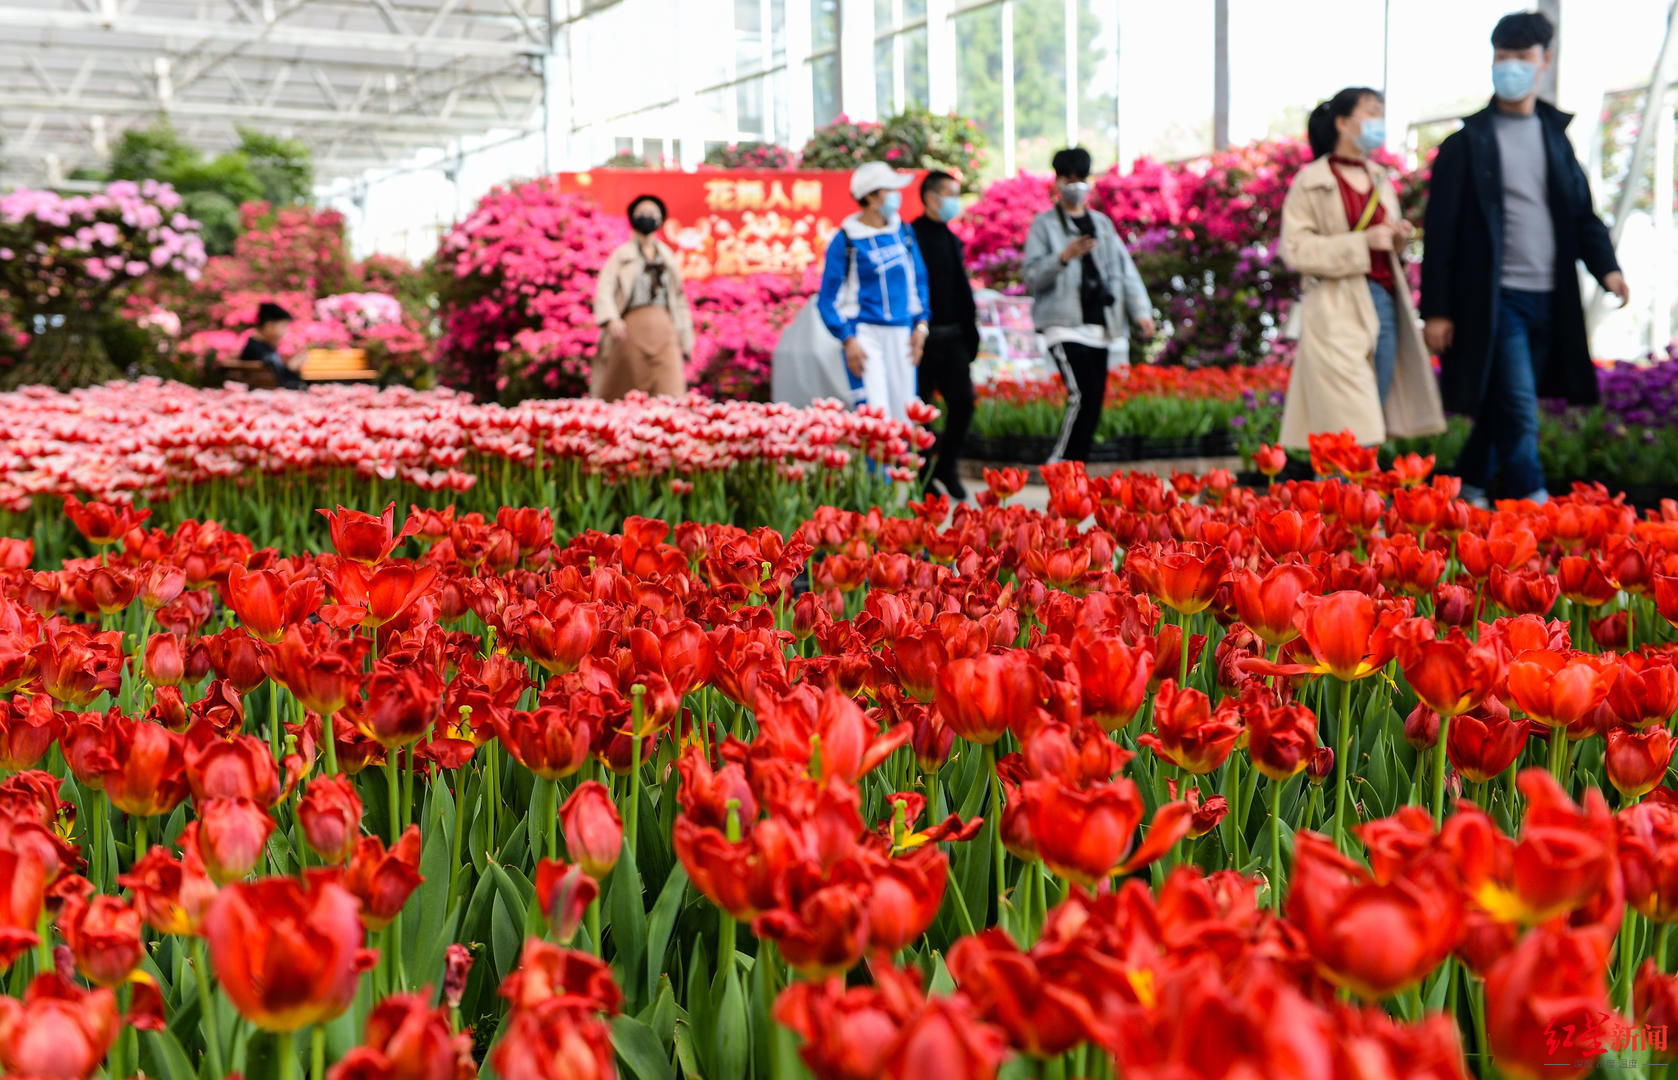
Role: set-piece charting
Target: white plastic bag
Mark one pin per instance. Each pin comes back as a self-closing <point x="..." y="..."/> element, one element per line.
<point x="809" y="362"/>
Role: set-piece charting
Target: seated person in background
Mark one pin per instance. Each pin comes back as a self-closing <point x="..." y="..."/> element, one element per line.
<point x="262" y="347"/>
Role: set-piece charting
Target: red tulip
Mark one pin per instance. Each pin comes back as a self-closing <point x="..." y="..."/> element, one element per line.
<point x="547" y="973"/>
<point x="1270" y="460"/>
<point x="1453" y="605"/>
<point x="1267" y="604"/>
<point x="593" y="830"/>
<point x="1188" y="733"/>
<point x="1281" y="739"/>
<point x="1085" y="834"/>
<point x="267" y="603"/>
<point x="383" y="880"/>
<point x="824" y="933"/>
<point x="76" y="666"/>
<point x="1483" y="743"/>
<point x="1585" y="581"/>
<point x="402" y="703"/>
<point x="848" y="1033"/>
<point x="321" y="678"/>
<point x="103" y="936"/>
<point x="1524" y="592"/>
<point x="1113" y="679"/>
<point x="164" y="663"/>
<point x="364" y="538"/>
<point x="1644" y="691"/>
<point x="230" y="835"/>
<point x="379" y="595"/>
<point x="284" y="951"/>
<point x="1042" y="1018"/>
<point x="1546" y="993"/>
<point x="560" y="1040"/>
<point x="1555" y="688"/>
<point x="1452" y="675"/>
<point x="1637" y="760"/>
<point x="554" y="634"/>
<point x="1375" y="939"/>
<point x="102" y="523"/>
<point x="407" y="1039"/>
<point x="1648" y="858"/>
<point x="904" y="897"/>
<point x="1183" y="578"/>
<point x="329" y="814"/>
<point x="564" y="892"/>
<point x="172" y="895"/>
<point x="1288" y="532"/>
<point x="22" y="887"/>
<point x="240" y="767"/>
<point x="145" y="774"/>
<point x="28" y="728"/>
<point x="58" y="1030"/>
<point x="981" y="697"/>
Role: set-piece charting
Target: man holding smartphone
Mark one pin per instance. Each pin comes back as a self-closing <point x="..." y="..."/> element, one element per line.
<point x="1086" y="293"/>
<point x="1509" y="216"/>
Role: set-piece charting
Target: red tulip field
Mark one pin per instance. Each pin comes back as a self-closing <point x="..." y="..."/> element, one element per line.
<point x="639" y="741"/>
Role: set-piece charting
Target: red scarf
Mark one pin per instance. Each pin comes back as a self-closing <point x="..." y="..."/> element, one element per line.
<point x="1380" y="267"/>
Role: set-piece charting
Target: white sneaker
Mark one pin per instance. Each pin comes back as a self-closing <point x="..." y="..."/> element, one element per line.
<point x="1475" y="497"/>
<point x="1539" y="497"/>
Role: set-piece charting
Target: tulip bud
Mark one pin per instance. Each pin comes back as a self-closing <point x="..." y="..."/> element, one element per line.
<point x="1611" y="632"/>
<point x="169" y="709"/>
<point x="1421" y="727"/>
<point x="103" y="936"/>
<point x="1270" y="460"/>
<point x="1637" y="760"/>
<point x="565" y="893"/>
<point x="593" y="830"/>
<point x="932" y="740"/>
<point x="383" y="880"/>
<point x="231" y="834"/>
<point x="1453" y="605"/>
<point x="1320" y="766"/>
<point x="165" y="662"/>
<point x="330" y="815"/>
<point x="457" y="965"/>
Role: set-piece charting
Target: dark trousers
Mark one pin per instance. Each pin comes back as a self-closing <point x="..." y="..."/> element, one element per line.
<point x="944" y="371"/>
<point x="1505" y="436"/>
<point x="1084" y="370"/>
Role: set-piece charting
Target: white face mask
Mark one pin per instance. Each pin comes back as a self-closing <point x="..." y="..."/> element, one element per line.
<point x="1075" y="193"/>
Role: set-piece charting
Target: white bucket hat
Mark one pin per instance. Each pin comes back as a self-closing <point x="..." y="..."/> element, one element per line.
<point x="877" y="176"/>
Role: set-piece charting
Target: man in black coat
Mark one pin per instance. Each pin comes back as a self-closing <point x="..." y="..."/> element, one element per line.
<point x="1509" y="215"/>
<point x="953" y="326"/>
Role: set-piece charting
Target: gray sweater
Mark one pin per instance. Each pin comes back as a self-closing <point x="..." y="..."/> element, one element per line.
<point x="1054" y="285"/>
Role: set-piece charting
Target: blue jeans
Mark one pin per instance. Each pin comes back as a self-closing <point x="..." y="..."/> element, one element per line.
<point x="1505" y="436"/>
<point x="1386" y="343"/>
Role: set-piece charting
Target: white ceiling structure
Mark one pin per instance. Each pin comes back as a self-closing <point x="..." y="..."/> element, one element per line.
<point x="364" y="83"/>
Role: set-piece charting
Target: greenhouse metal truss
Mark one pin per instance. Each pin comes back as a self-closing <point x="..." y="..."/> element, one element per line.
<point x="364" y="83"/>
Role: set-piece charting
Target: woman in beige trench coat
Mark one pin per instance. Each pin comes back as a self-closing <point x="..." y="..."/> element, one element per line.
<point x="1347" y="250"/>
<point x="642" y="310"/>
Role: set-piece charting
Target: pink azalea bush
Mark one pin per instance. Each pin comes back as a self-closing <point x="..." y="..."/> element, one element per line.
<point x="70" y="253"/>
<point x="517" y="281"/>
<point x="1204" y="236"/>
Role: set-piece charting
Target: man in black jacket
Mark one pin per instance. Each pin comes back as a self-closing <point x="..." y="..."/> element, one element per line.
<point x="1509" y="215"/>
<point x="953" y="334"/>
<point x="262" y="347"/>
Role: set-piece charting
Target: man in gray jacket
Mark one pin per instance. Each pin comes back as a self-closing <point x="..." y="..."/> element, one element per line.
<point x="1085" y="293"/>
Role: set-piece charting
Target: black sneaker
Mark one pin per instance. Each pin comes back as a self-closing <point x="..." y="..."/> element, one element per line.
<point x="953" y="487"/>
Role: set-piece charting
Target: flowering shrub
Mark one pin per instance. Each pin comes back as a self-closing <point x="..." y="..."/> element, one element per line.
<point x="525" y="259"/>
<point x="751" y="155"/>
<point x="517" y="293"/>
<point x="914" y="139"/>
<point x="65" y="260"/>
<point x="359" y="311"/>
<point x="1204" y="236"/>
<point x="1003" y="794"/>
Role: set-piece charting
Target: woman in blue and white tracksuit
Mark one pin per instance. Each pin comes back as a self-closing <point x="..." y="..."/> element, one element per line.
<point x="874" y="296"/>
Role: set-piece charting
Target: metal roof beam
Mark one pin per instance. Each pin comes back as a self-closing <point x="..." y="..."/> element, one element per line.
<point x="366" y="42"/>
<point x="383" y="121"/>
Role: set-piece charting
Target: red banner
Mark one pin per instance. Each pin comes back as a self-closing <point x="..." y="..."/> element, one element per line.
<point x="729" y="224"/>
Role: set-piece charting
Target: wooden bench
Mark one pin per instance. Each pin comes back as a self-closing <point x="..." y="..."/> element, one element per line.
<point x="336" y="365"/>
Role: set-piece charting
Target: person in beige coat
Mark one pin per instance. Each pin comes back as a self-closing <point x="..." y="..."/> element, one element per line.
<point x="642" y="310"/>
<point x="1361" y="366"/>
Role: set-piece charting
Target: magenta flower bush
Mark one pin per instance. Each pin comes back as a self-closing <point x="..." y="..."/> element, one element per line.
<point x="517" y="280"/>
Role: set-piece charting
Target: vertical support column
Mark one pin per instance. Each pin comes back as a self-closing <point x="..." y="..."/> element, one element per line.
<point x="1549" y="82"/>
<point x="1073" y="90"/>
<point x="1010" y="141"/>
<point x="856" y="60"/>
<point x="1220" y="75"/>
<point x="801" y="107"/>
<point x="1661" y="292"/>
<point x="556" y="92"/>
<point x="766" y="23"/>
<point x="899" y="81"/>
<point x="940" y="57"/>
